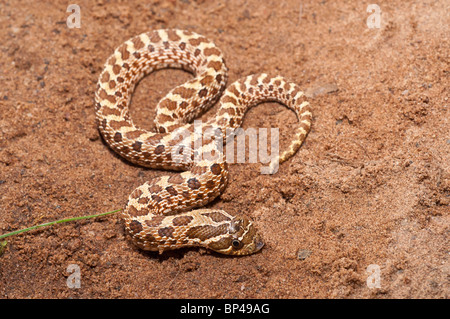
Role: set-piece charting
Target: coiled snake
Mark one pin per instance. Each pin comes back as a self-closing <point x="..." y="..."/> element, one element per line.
<point x="158" y="215"/>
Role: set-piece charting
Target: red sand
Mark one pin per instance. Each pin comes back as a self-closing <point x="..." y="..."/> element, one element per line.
<point x="370" y="186"/>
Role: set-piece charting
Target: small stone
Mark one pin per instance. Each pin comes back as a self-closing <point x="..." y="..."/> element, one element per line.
<point x="321" y="90"/>
<point x="302" y="254"/>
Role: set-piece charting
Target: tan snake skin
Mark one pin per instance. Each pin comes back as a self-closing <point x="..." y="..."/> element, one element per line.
<point x="158" y="215"/>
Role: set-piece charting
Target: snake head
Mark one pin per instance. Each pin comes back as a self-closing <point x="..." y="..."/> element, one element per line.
<point x="240" y="238"/>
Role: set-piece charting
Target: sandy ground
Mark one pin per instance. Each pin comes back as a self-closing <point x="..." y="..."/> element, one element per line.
<point x="361" y="211"/>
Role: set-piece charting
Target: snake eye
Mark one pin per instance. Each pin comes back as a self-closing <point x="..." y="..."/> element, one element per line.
<point x="236" y="243"/>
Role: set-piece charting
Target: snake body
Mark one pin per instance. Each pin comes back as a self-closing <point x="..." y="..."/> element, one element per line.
<point x="160" y="214"/>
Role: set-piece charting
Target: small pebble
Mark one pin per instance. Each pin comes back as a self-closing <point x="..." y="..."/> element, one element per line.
<point x="321" y="90"/>
<point x="302" y="254"/>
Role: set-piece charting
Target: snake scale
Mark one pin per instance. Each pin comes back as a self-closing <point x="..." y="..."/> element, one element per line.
<point x="165" y="213"/>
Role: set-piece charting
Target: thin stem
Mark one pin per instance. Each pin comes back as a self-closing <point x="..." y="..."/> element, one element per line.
<point x="56" y="222"/>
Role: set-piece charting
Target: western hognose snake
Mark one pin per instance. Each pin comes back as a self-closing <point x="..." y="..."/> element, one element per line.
<point x="159" y="214"/>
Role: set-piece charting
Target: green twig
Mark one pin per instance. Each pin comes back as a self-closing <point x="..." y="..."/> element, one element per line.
<point x="3" y="243"/>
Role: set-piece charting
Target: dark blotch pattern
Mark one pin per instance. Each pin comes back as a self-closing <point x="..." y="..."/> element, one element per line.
<point x="203" y="92"/>
<point x="166" y="232"/>
<point x="216" y="169"/>
<point x="155" y="221"/>
<point x="155" y="189"/>
<point x="137" y="146"/>
<point x="159" y="149"/>
<point x="135" y="226"/>
<point x="171" y="190"/>
<point x="182" y="220"/>
<point x="117" y="137"/>
<point x="193" y="183"/>
<point x="217" y="216"/>
<point x="210" y="184"/>
<point x="156" y="198"/>
<point x="206" y="231"/>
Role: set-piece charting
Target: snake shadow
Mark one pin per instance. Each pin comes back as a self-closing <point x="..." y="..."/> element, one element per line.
<point x="180" y="253"/>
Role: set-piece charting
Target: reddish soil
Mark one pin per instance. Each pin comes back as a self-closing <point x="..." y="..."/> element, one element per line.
<point x="370" y="186"/>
